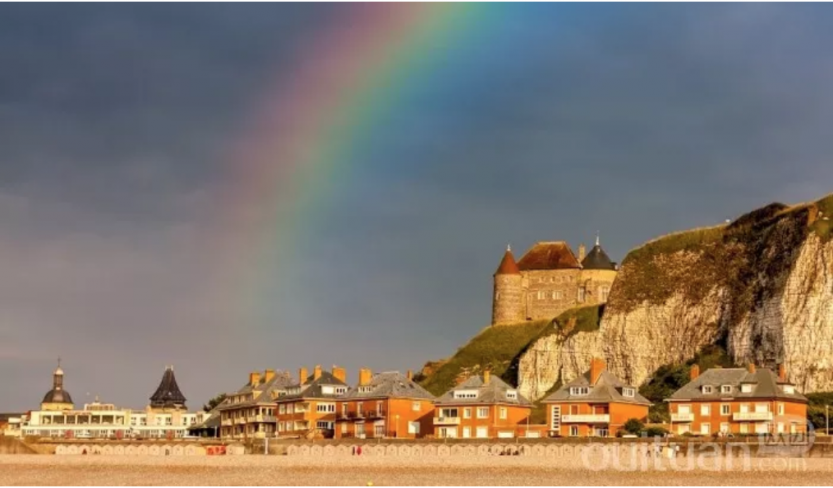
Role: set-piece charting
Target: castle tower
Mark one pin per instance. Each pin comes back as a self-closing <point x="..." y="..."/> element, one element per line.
<point x="507" y="301"/>
<point x="597" y="275"/>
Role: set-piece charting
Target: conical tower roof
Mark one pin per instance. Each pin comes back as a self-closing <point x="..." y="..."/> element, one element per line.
<point x="508" y="264"/>
<point x="597" y="259"/>
<point x="167" y="395"/>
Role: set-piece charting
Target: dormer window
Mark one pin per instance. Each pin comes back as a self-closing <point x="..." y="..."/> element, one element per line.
<point x="512" y="395"/>
<point x="365" y="389"/>
<point x="628" y="392"/>
<point x="789" y="389"/>
<point x="707" y="389"/>
<point x="726" y="389"/>
<point x="579" y="390"/>
<point x="341" y="390"/>
<point x="747" y="388"/>
<point x="465" y="394"/>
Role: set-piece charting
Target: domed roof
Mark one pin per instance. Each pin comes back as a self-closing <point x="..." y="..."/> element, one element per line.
<point x="57" y="395"/>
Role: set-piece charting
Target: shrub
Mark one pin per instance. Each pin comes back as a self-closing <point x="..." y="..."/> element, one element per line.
<point x="633" y="426"/>
<point x="655" y="432"/>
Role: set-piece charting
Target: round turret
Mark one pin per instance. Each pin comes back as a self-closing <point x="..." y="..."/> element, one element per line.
<point x="507" y="302"/>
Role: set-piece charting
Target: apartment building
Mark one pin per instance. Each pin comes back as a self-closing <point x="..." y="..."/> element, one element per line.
<point x="738" y="401"/>
<point x="385" y="405"/>
<point x="250" y="411"/>
<point x="482" y="407"/>
<point x="308" y="407"/>
<point x="595" y="404"/>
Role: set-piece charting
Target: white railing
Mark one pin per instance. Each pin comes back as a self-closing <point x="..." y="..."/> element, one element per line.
<point x="446" y="420"/>
<point x="682" y="417"/>
<point x="752" y="416"/>
<point x="585" y="418"/>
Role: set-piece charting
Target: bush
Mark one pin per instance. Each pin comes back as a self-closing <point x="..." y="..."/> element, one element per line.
<point x="633" y="426"/>
<point x="655" y="432"/>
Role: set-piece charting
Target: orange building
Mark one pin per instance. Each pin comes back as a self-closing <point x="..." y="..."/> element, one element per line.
<point x="736" y="401"/>
<point x="309" y="407"/>
<point x="480" y="407"/>
<point x="385" y="405"/>
<point x="594" y="404"/>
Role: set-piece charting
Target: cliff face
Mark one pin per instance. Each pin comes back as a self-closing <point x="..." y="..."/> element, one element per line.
<point x="761" y="286"/>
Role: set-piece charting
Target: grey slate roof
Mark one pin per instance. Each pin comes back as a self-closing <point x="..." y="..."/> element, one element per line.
<point x="212" y="421"/>
<point x="608" y="388"/>
<point x="312" y="387"/>
<point x="392" y="384"/>
<point x="597" y="259"/>
<point x="167" y="394"/>
<point x="493" y="392"/>
<point x="766" y="385"/>
<point x="56" y="395"/>
<point x="280" y="381"/>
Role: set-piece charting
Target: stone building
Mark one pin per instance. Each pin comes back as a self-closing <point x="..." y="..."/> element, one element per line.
<point x="548" y="280"/>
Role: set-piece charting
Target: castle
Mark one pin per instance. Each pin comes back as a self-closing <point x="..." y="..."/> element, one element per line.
<point x="548" y="280"/>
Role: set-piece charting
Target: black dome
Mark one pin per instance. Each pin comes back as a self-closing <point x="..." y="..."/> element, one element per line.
<point x="57" y="396"/>
<point x="597" y="259"/>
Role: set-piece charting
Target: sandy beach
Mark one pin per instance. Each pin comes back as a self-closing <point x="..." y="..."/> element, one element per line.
<point x="380" y="471"/>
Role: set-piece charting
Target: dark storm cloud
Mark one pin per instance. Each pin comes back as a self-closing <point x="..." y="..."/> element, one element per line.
<point x="116" y="129"/>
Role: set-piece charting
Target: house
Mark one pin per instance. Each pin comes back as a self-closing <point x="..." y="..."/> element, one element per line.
<point x="482" y="407"/>
<point x="595" y="404"/>
<point x="309" y="406"/>
<point x="384" y="405"/>
<point x="250" y="411"/>
<point x="738" y="401"/>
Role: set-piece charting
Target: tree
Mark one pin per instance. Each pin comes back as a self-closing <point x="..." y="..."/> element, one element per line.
<point x="214" y="402"/>
<point x="633" y="426"/>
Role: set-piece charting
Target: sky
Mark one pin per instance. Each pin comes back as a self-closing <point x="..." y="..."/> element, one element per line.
<point x="123" y="133"/>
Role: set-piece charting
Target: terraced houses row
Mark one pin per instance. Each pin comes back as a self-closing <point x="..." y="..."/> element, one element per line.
<point x="597" y="403"/>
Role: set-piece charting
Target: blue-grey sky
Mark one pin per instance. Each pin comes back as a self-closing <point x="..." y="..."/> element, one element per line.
<point x="552" y="122"/>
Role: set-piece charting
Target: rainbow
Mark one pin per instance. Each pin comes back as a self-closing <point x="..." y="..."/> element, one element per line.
<point x="325" y="110"/>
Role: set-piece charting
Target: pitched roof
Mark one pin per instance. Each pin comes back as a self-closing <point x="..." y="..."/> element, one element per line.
<point x="391" y="384"/>
<point x="493" y="392"/>
<point x="597" y="259"/>
<point x="212" y="421"/>
<point x="608" y="388"/>
<point x="549" y="255"/>
<point x="167" y="394"/>
<point x="507" y="264"/>
<point x="312" y="388"/>
<point x="765" y="385"/>
<point x="262" y="391"/>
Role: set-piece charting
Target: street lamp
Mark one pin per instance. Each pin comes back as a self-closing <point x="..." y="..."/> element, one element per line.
<point x="827" y="419"/>
<point x="396" y="427"/>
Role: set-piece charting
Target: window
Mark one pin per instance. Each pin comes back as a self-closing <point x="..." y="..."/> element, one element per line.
<point x="705" y="428"/>
<point x="416" y="406"/>
<point x="705" y="410"/>
<point x="557" y="295"/>
<point x="467" y="413"/>
<point x="725" y="409"/>
<point x="327" y="390"/>
<point x="789" y="389"/>
<point x="581" y="293"/>
<point x="579" y="390"/>
<point x="512" y="395"/>
<point x="343" y="428"/>
<point x="780" y="409"/>
<point x="604" y="291"/>
<point x="324" y="425"/>
<point x="744" y="428"/>
<point x="448" y="413"/>
<point x="344" y="409"/>
<point x="466" y="432"/>
<point x="359" y="430"/>
<point x="628" y="392"/>
<point x="541" y="294"/>
<point x="359" y="409"/>
<point x="726" y="389"/>
<point x="282" y="408"/>
<point x="503" y="413"/>
<point x="465" y="394"/>
<point x="365" y="389"/>
<point x="574" y="430"/>
<point x="482" y="432"/>
<point x="289" y="408"/>
<point x="482" y="412"/>
<point x="379" y="430"/>
<point x="341" y="390"/>
<point x="413" y="428"/>
<point x="747" y="388"/>
<point x="379" y="407"/>
<point x="724" y="427"/>
<point x="707" y="389"/>
<point x="325" y="408"/>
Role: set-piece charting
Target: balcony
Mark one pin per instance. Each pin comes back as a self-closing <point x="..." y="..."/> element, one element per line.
<point x="376" y="414"/>
<point x="446" y="420"/>
<point x="682" y="417"/>
<point x="601" y="418"/>
<point x="752" y="416"/>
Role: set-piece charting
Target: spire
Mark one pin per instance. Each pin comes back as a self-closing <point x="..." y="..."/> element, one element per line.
<point x="508" y="264"/>
<point x="168" y="395"/>
<point x="597" y="238"/>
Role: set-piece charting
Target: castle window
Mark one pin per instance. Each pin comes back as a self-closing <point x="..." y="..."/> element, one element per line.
<point x="603" y="293"/>
<point x="581" y="294"/>
<point x="541" y="295"/>
<point x="556" y="295"/>
<point x="497" y="295"/>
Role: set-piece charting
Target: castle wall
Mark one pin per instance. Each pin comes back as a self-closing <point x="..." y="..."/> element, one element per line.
<point x="508" y="299"/>
<point x="597" y="284"/>
<point x="547" y="293"/>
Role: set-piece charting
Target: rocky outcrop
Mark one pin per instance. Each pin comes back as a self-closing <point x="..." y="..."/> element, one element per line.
<point x="762" y="287"/>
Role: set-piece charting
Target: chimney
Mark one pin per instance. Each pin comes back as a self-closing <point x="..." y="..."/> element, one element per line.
<point x="695" y="372"/>
<point x="364" y="377"/>
<point x="268" y="375"/>
<point x="316" y="373"/>
<point x="582" y="251"/>
<point x="597" y="365"/>
<point x="254" y="378"/>
<point x="487" y="375"/>
<point x="751" y="368"/>
<point x="782" y="372"/>
<point x="410" y="375"/>
<point x="302" y="374"/>
<point x="340" y="374"/>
